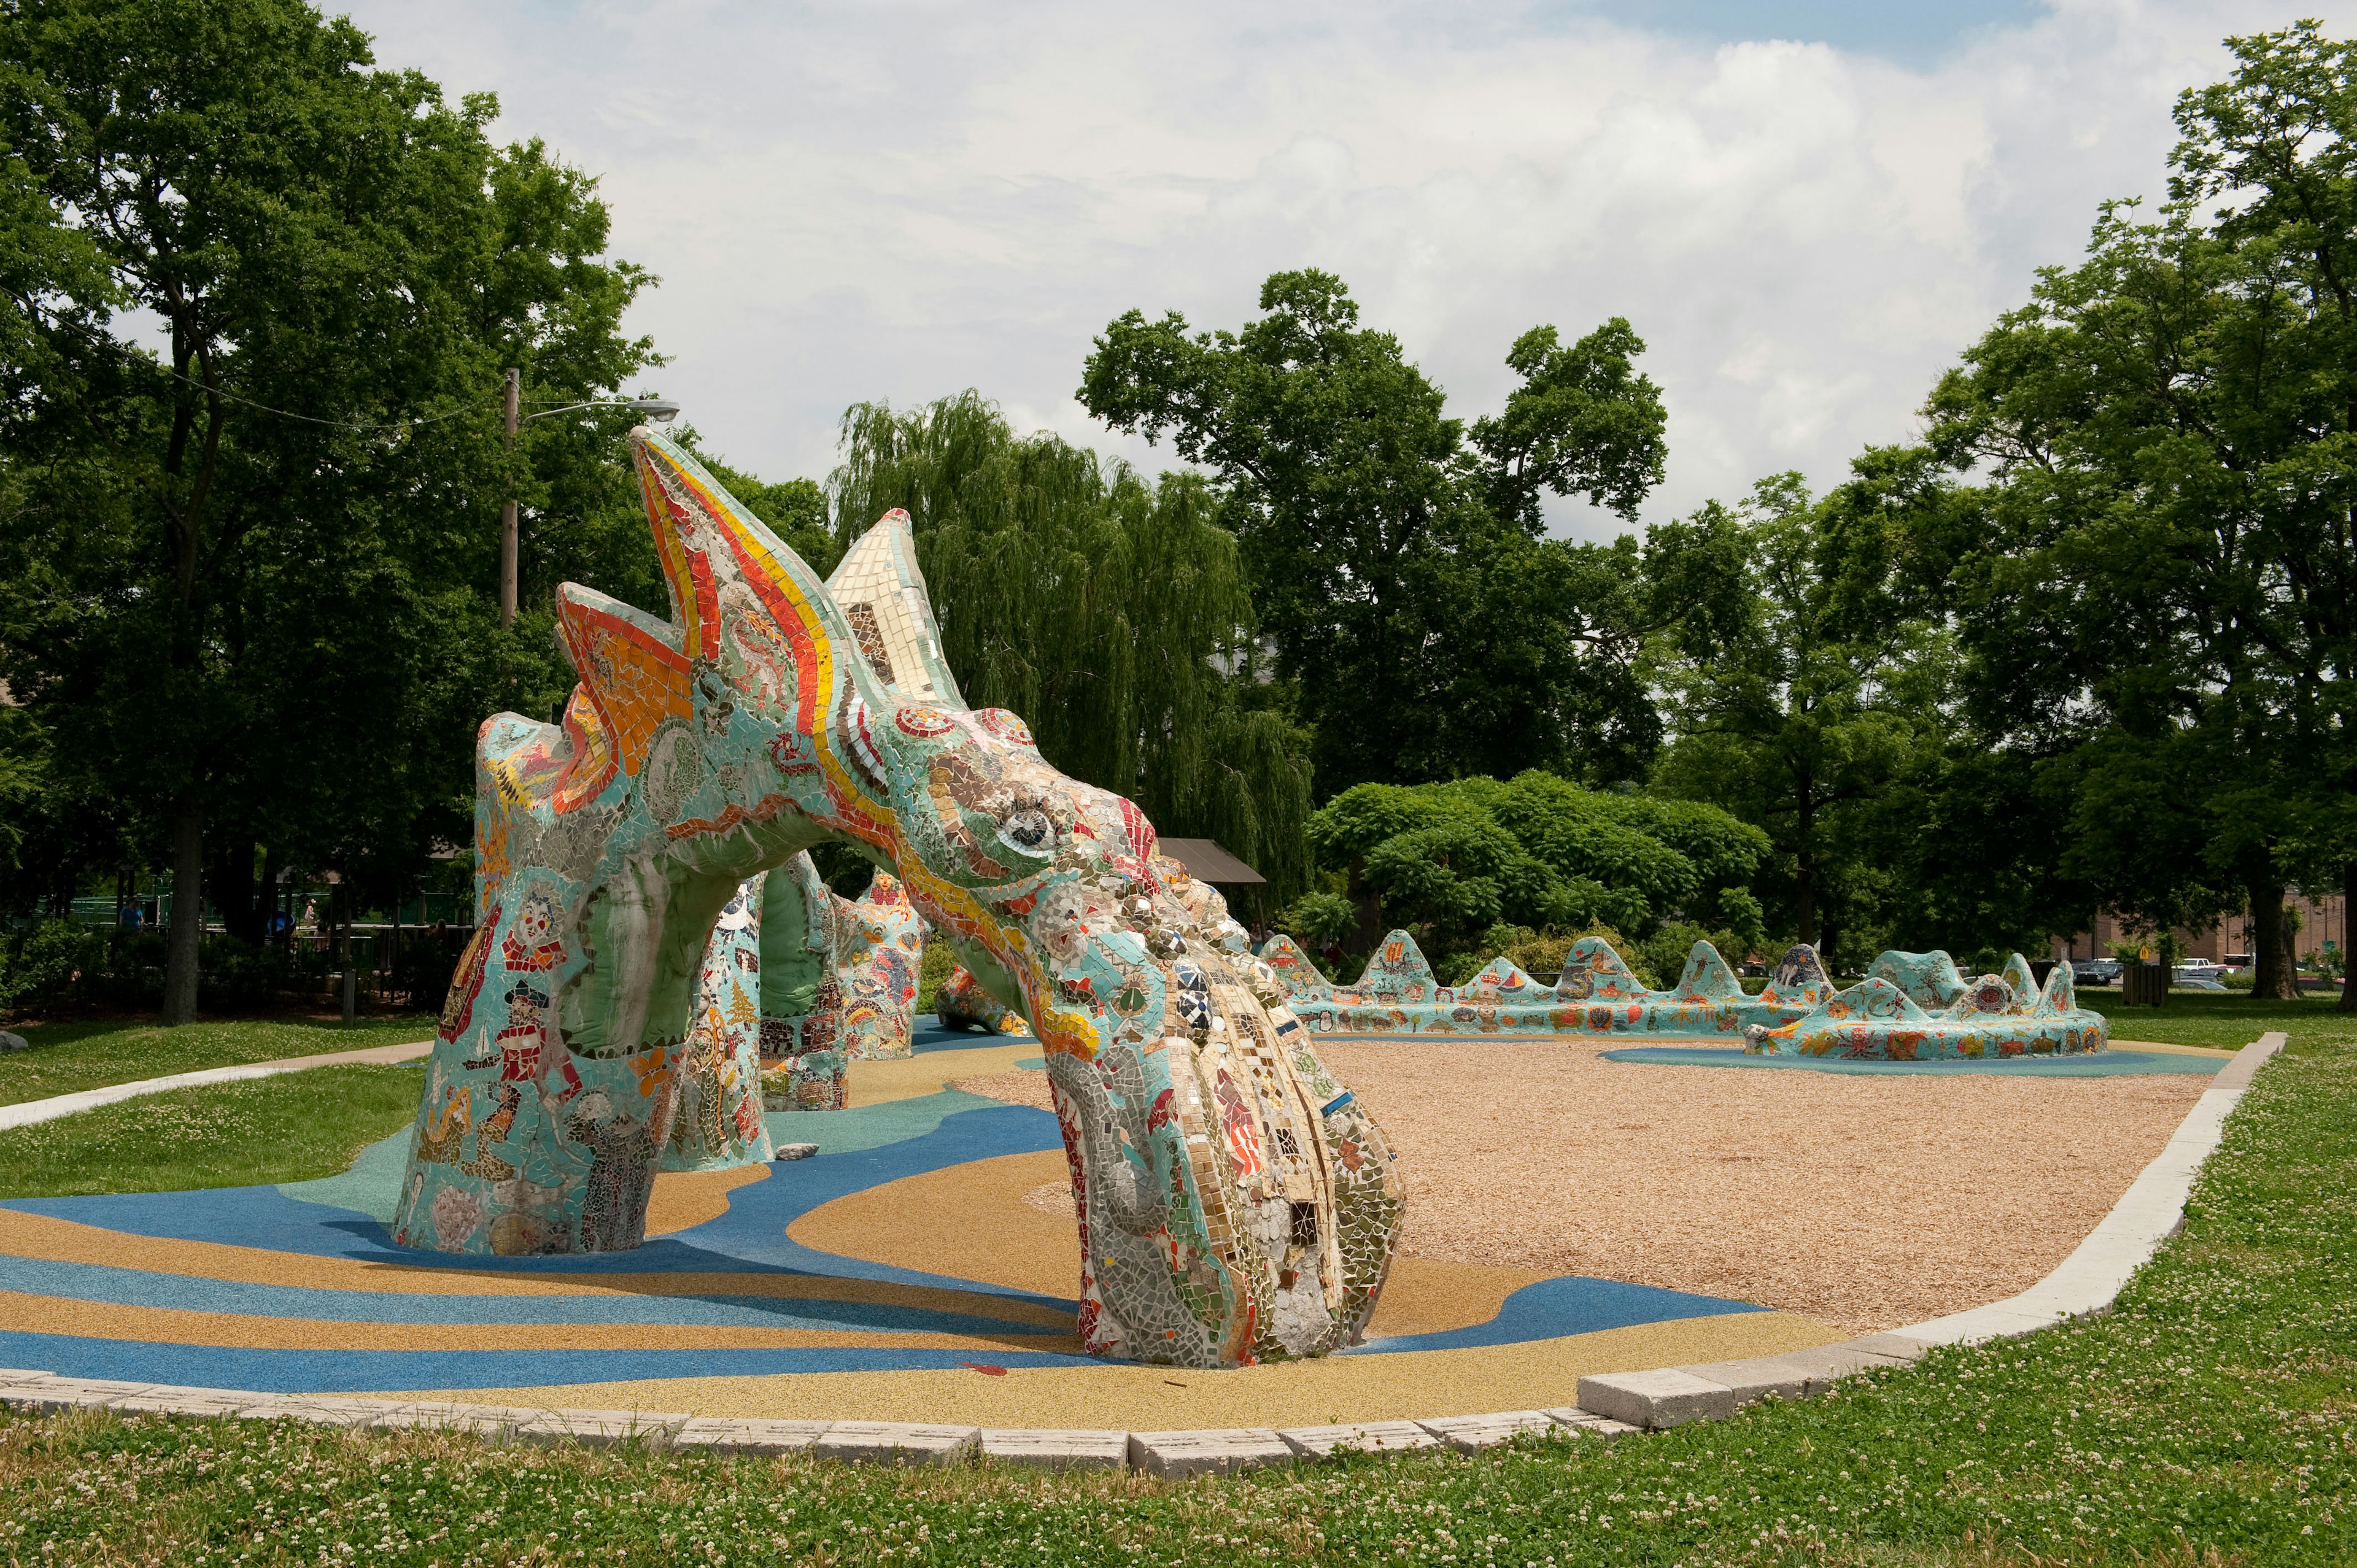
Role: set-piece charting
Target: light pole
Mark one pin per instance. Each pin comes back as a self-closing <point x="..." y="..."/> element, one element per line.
<point x="652" y="407"/>
<point x="508" y="512"/>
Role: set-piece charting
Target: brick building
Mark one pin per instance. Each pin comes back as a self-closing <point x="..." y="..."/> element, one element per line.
<point x="2323" y="924"/>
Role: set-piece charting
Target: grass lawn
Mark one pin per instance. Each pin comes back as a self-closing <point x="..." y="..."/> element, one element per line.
<point x="2208" y="1018"/>
<point x="66" y="1057"/>
<point x="2209" y="1421"/>
<point x="292" y="1127"/>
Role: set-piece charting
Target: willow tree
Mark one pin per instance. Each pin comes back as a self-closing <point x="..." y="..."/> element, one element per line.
<point x="1109" y="611"/>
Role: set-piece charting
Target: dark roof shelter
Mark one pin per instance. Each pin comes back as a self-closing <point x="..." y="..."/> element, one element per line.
<point x="1206" y="862"/>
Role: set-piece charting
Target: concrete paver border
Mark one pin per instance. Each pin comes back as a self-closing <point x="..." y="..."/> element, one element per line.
<point x="2087" y="1281"/>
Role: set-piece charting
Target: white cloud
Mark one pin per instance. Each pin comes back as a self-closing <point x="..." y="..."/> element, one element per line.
<point x="853" y="202"/>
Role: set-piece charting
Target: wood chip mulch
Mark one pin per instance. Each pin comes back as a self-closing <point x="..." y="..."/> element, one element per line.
<point x="1867" y="1202"/>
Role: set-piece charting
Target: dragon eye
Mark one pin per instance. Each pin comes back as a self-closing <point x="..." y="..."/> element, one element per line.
<point x="1028" y="831"/>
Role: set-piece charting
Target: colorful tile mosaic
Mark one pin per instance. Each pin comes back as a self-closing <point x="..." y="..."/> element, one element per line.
<point x="839" y="984"/>
<point x="1234" y="1204"/>
<point x="1910" y="1006"/>
<point x="961" y="1003"/>
<point x="802" y="993"/>
<point x="879" y="951"/>
<point x="718" y="1121"/>
<point x="1993" y="1017"/>
<point x="1596" y="994"/>
<point x="1929" y="979"/>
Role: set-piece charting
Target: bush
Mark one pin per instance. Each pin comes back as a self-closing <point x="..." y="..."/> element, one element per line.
<point x="1664" y="953"/>
<point x="1541" y="954"/>
<point x="940" y="959"/>
<point x="62" y="965"/>
<point x="1459" y="967"/>
<point x="237" y="976"/>
<point x="1315" y="919"/>
<point x="46" y="965"/>
<point x="1452" y="860"/>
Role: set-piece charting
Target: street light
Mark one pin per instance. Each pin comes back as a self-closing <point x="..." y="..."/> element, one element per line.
<point x="655" y="408"/>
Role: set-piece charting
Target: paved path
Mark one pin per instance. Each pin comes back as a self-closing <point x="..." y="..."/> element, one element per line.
<point x="49" y="1110"/>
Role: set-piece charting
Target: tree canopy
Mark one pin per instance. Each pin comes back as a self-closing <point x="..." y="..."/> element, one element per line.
<point x="269" y="621"/>
<point x="2086" y="644"/>
<point x="1812" y="693"/>
<point x="2157" y="587"/>
<point x="1398" y="566"/>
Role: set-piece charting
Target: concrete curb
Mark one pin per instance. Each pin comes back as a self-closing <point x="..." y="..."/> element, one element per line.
<point x="1610" y="1404"/>
<point x="869" y="1442"/>
<point x="30" y="1112"/>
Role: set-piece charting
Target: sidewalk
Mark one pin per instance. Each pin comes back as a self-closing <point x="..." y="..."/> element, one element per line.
<point x="49" y="1110"/>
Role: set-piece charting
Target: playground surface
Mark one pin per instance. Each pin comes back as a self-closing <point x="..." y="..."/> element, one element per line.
<point x="919" y="1267"/>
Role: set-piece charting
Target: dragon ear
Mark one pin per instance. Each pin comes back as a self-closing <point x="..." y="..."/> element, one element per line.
<point x="711" y="545"/>
<point x="881" y="593"/>
<point x="730" y="576"/>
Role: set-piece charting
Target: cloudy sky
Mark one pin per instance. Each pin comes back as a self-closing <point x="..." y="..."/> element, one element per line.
<point x="1805" y="207"/>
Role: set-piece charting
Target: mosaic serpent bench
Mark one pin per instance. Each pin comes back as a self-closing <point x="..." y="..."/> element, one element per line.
<point x="1909" y="1006"/>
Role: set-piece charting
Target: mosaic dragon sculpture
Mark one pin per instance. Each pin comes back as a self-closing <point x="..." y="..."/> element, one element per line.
<point x="1234" y="1204"/>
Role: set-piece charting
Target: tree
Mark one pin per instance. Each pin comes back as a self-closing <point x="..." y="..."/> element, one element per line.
<point x="272" y="621"/>
<point x="1398" y="567"/>
<point x="2163" y="560"/>
<point x="1797" y="705"/>
<point x="1455" y="860"/>
<point x="1110" y="613"/>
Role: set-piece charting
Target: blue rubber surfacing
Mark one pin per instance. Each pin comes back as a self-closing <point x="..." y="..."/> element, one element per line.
<point x="342" y="1217"/>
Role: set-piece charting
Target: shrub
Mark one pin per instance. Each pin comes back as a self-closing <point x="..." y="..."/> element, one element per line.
<point x="940" y="959"/>
<point x="48" y="964"/>
<point x="1459" y="967"/>
<point x="1664" y="953"/>
<point x="1315" y="919"/>
<point x="1453" y="861"/>
<point x="237" y="976"/>
<point x="1540" y="954"/>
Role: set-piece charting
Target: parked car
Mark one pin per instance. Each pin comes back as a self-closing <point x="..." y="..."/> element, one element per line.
<point x="2096" y="970"/>
<point x="2199" y="974"/>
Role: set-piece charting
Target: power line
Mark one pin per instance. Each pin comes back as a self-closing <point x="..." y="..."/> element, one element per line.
<point x="656" y="405"/>
<point x="315" y="419"/>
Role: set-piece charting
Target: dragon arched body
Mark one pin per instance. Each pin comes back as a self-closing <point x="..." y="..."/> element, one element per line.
<point x="1233" y="1202"/>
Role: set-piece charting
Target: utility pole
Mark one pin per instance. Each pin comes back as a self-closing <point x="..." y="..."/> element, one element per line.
<point x="508" y="513"/>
